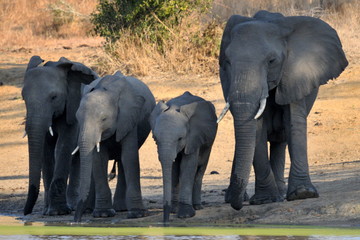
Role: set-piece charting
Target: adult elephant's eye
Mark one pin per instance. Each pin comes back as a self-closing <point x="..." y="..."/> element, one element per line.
<point x="53" y="97"/>
<point x="104" y="119"/>
<point x="271" y="61"/>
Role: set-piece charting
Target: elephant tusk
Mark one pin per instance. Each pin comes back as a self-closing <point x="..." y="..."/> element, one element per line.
<point x="224" y="111"/>
<point x="98" y="147"/>
<point x="25" y="133"/>
<point x="51" y="131"/>
<point x="75" y="150"/>
<point x="261" y="108"/>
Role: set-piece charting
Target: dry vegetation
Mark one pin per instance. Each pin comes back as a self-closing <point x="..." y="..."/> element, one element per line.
<point x="25" y="23"/>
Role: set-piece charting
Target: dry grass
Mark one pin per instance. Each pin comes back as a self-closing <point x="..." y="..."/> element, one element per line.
<point x="30" y="23"/>
<point x="189" y="49"/>
<point x="193" y="47"/>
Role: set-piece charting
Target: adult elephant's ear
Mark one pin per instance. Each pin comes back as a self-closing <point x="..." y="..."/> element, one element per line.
<point x="202" y="124"/>
<point x="77" y="73"/>
<point x="158" y="109"/>
<point x="225" y="41"/>
<point x="34" y="62"/>
<point x="129" y="110"/>
<point x="314" y="55"/>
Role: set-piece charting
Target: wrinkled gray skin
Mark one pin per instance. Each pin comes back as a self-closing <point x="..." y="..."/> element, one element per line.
<point x="283" y="59"/>
<point x="52" y="94"/>
<point x="114" y="112"/>
<point x="184" y="129"/>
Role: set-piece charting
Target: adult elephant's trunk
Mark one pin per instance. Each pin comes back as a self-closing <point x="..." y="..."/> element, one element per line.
<point x="36" y="130"/>
<point x="167" y="157"/>
<point x="87" y="145"/>
<point x="245" y="137"/>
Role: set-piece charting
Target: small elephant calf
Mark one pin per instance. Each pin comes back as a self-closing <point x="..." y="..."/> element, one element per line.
<point x="184" y="129"/>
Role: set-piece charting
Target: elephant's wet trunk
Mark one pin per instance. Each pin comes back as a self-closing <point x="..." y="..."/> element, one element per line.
<point x="245" y="136"/>
<point x="36" y="131"/>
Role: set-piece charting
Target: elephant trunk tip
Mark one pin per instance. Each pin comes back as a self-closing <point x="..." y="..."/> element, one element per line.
<point x="80" y="208"/>
<point x="167" y="210"/>
<point x="31" y="199"/>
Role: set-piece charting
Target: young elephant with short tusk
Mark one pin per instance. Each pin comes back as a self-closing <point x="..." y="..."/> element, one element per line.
<point x="113" y="124"/>
<point x="271" y="68"/>
<point x="184" y="130"/>
<point x="52" y="94"/>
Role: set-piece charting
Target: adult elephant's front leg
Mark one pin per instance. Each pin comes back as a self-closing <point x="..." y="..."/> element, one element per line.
<point x="66" y="143"/>
<point x="103" y="203"/>
<point x="130" y="161"/>
<point x="299" y="184"/>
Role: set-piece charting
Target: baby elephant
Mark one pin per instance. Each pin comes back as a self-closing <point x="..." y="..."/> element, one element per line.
<point x="184" y="130"/>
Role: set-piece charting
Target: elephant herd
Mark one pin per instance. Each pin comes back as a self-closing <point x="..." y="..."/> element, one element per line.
<point x="271" y="68"/>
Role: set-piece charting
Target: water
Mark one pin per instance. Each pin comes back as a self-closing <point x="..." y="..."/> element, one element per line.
<point x="10" y="228"/>
<point x="172" y="237"/>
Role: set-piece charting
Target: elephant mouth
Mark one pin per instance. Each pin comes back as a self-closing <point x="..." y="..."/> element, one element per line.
<point x="257" y="115"/>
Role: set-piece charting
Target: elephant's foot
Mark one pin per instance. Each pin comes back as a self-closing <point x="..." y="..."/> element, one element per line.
<point x="120" y="206"/>
<point x="259" y="199"/>
<point x="282" y="188"/>
<point x="185" y="210"/>
<point x="137" y="213"/>
<point x="104" y="213"/>
<point x="302" y="192"/>
<point x="198" y="206"/>
<point x="62" y="209"/>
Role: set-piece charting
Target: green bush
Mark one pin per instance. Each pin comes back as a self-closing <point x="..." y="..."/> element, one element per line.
<point x="152" y="20"/>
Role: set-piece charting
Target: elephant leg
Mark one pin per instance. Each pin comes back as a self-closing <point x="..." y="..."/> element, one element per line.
<point x="120" y="191"/>
<point x="188" y="168"/>
<point x="175" y="184"/>
<point x="48" y="168"/>
<point x="64" y="146"/>
<point x="130" y="161"/>
<point x="277" y="161"/>
<point x="203" y="161"/>
<point x="299" y="185"/>
<point x="266" y="190"/>
<point x="72" y="191"/>
<point x="103" y="203"/>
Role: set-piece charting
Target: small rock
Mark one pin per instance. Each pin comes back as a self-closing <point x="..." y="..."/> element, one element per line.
<point x="214" y="172"/>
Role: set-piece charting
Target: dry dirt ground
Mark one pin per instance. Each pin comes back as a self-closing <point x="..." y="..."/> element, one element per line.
<point x="333" y="143"/>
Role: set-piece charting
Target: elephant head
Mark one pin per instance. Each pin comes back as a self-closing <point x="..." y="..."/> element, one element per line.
<point x="181" y="126"/>
<point x="290" y="55"/>
<point x="50" y="92"/>
<point x="110" y="108"/>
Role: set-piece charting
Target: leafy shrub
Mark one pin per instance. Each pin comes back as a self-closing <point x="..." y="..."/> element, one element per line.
<point x="152" y="20"/>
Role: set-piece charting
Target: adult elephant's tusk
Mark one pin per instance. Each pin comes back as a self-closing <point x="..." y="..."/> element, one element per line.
<point x="261" y="108"/>
<point x="224" y="111"/>
<point x="25" y="133"/>
<point x="51" y="131"/>
<point x="98" y="147"/>
<point x="75" y="150"/>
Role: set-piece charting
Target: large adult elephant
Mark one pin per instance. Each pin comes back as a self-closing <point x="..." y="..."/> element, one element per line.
<point x="274" y="63"/>
<point x="113" y="124"/>
<point x="52" y="94"/>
